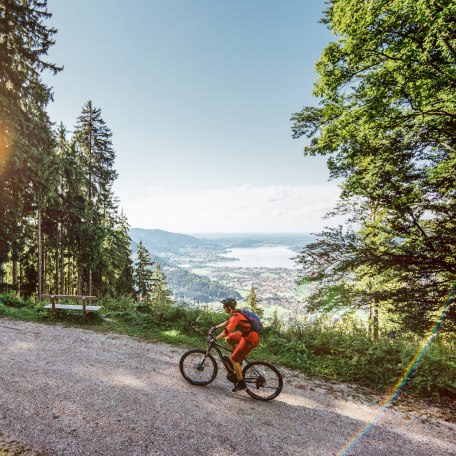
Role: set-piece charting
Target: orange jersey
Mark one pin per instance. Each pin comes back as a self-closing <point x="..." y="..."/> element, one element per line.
<point x="238" y="321"/>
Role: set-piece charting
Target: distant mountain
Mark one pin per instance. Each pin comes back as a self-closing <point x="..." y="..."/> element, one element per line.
<point x="159" y="241"/>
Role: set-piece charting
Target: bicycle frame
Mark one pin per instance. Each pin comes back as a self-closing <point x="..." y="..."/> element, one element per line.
<point x="263" y="380"/>
<point x="218" y="348"/>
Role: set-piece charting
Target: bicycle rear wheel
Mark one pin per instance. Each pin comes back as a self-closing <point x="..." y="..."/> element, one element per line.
<point x="263" y="380"/>
<point x="198" y="368"/>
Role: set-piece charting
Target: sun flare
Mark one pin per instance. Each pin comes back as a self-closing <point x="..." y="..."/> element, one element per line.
<point x="5" y="144"/>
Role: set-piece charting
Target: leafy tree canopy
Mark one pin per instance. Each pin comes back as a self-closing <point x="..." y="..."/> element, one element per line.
<point x="387" y="120"/>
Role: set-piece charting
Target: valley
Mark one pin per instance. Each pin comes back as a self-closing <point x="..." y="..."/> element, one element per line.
<point x="203" y="269"/>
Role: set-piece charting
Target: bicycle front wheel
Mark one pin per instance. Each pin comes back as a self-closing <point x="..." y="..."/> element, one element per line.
<point x="198" y="368"/>
<point x="263" y="380"/>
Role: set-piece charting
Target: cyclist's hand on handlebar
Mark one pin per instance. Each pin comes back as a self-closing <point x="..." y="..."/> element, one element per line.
<point x="213" y="329"/>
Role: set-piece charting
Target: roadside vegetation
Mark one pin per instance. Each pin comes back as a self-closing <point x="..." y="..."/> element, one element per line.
<point x="342" y="351"/>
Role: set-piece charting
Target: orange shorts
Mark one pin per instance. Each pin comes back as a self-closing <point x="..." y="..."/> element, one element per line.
<point x="244" y="344"/>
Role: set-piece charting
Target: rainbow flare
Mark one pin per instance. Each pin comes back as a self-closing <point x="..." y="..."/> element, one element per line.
<point x="396" y="389"/>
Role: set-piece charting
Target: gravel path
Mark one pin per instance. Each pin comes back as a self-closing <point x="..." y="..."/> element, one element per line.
<point x="66" y="391"/>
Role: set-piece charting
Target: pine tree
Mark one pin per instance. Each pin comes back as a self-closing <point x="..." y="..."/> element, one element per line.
<point x="275" y="321"/>
<point x="252" y="302"/>
<point x="160" y="292"/>
<point x="96" y="158"/>
<point x="143" y="274"/>
<point x="118" y="270"/>
<point x="25" y="130"/>
<point x="73" y="202"/>
<point x="96" y="154"/>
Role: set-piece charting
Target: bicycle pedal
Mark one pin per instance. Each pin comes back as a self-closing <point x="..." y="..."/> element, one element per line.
<point x="231" y="377"/>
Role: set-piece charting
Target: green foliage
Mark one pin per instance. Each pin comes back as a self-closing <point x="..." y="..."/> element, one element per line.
<point x="436" y="376"/>
<point x="160" y="293"/>
<point x="12" y="301"/>
<point x="198" y="287"/>
<point x="26" y="161"/>
<point x="346" y="352"/>
<point x="143" y="274"/>
<point x="252" y="302"/>
<point x="276" y="324"/>
<point x="386" y="118"/>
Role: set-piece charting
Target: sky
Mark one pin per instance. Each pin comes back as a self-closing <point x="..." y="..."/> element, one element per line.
<point x="199" y="95"/>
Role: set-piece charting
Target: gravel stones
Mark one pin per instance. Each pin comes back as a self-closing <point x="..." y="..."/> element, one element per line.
<point x="68" y="391"/>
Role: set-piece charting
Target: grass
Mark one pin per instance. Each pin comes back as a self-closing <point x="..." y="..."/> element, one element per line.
<point x="343" y="352"/>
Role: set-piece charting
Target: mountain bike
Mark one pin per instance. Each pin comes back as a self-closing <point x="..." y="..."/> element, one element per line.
<point x="199" y="367"/>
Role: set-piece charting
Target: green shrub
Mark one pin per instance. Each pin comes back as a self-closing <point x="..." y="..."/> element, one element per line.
<point x="11" y="301"/>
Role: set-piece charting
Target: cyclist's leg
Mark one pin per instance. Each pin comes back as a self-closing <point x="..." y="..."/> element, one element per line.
<point x="234" y="340"/>
<point x="238" y="370"/>
<point x="230" y="343"/>
<point x="244" y="347"/>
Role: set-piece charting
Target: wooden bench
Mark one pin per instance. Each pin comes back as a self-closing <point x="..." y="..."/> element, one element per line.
<point x="85" y="307"/>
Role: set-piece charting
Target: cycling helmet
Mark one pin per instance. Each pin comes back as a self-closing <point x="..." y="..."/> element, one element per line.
<point x="229" y="302"/>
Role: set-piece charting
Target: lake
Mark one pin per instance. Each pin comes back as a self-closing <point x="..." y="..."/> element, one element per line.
<point x="260" y="257"/>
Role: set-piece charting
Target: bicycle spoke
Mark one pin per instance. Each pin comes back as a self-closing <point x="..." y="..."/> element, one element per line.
<point x="263" y="380"/>
<point x="198" y="367"/>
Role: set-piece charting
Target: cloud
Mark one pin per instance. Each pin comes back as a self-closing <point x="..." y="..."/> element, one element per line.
<point x="245" y="208"/>
<point x="274" y="194"/>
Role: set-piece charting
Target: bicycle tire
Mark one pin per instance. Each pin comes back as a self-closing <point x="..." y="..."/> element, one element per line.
<point x="264" y="381"/>
<point x="193" y="365"/>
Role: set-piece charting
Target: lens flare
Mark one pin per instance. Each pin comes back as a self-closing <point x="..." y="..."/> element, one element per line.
<point x="396" y="389"/>
<point x="5" y="144"/>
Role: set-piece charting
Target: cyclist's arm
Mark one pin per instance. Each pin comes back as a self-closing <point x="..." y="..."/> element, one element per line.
<point x="221" y="325"/>
<point x="231" y="324"/>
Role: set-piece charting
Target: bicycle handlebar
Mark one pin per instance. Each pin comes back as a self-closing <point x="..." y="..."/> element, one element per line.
<point x="210" y="337"/>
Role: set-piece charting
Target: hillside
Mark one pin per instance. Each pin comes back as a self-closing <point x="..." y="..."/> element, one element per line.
<point x="194" y="287"/>
<point x="159" y="241"/>
<point x="185" y="285"/>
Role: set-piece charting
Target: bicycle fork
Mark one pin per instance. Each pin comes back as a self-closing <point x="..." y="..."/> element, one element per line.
<point x="200" y="366"/>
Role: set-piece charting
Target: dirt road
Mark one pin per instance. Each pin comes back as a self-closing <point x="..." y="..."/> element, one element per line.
<point x="68" y="391"/>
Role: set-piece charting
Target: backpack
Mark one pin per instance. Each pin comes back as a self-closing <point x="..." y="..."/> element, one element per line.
<point x="253" y="318"/>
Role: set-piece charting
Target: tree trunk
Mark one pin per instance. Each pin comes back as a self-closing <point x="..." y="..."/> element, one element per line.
<point x="375" y="320"/>
<point x="21" y="278"/>
<point x="44" y="286"/>
<point x="67" y="288"/>
<point x="14" y="258"/>
<point x="62" y="265"/>
<point x="57" y="264"/>
<point x="370" y="319"/>
<point x="79" y="286"/>
<point x="40" y="258"/>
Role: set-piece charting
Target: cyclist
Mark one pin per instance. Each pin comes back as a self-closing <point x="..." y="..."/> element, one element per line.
<point x="241" y="342"/>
